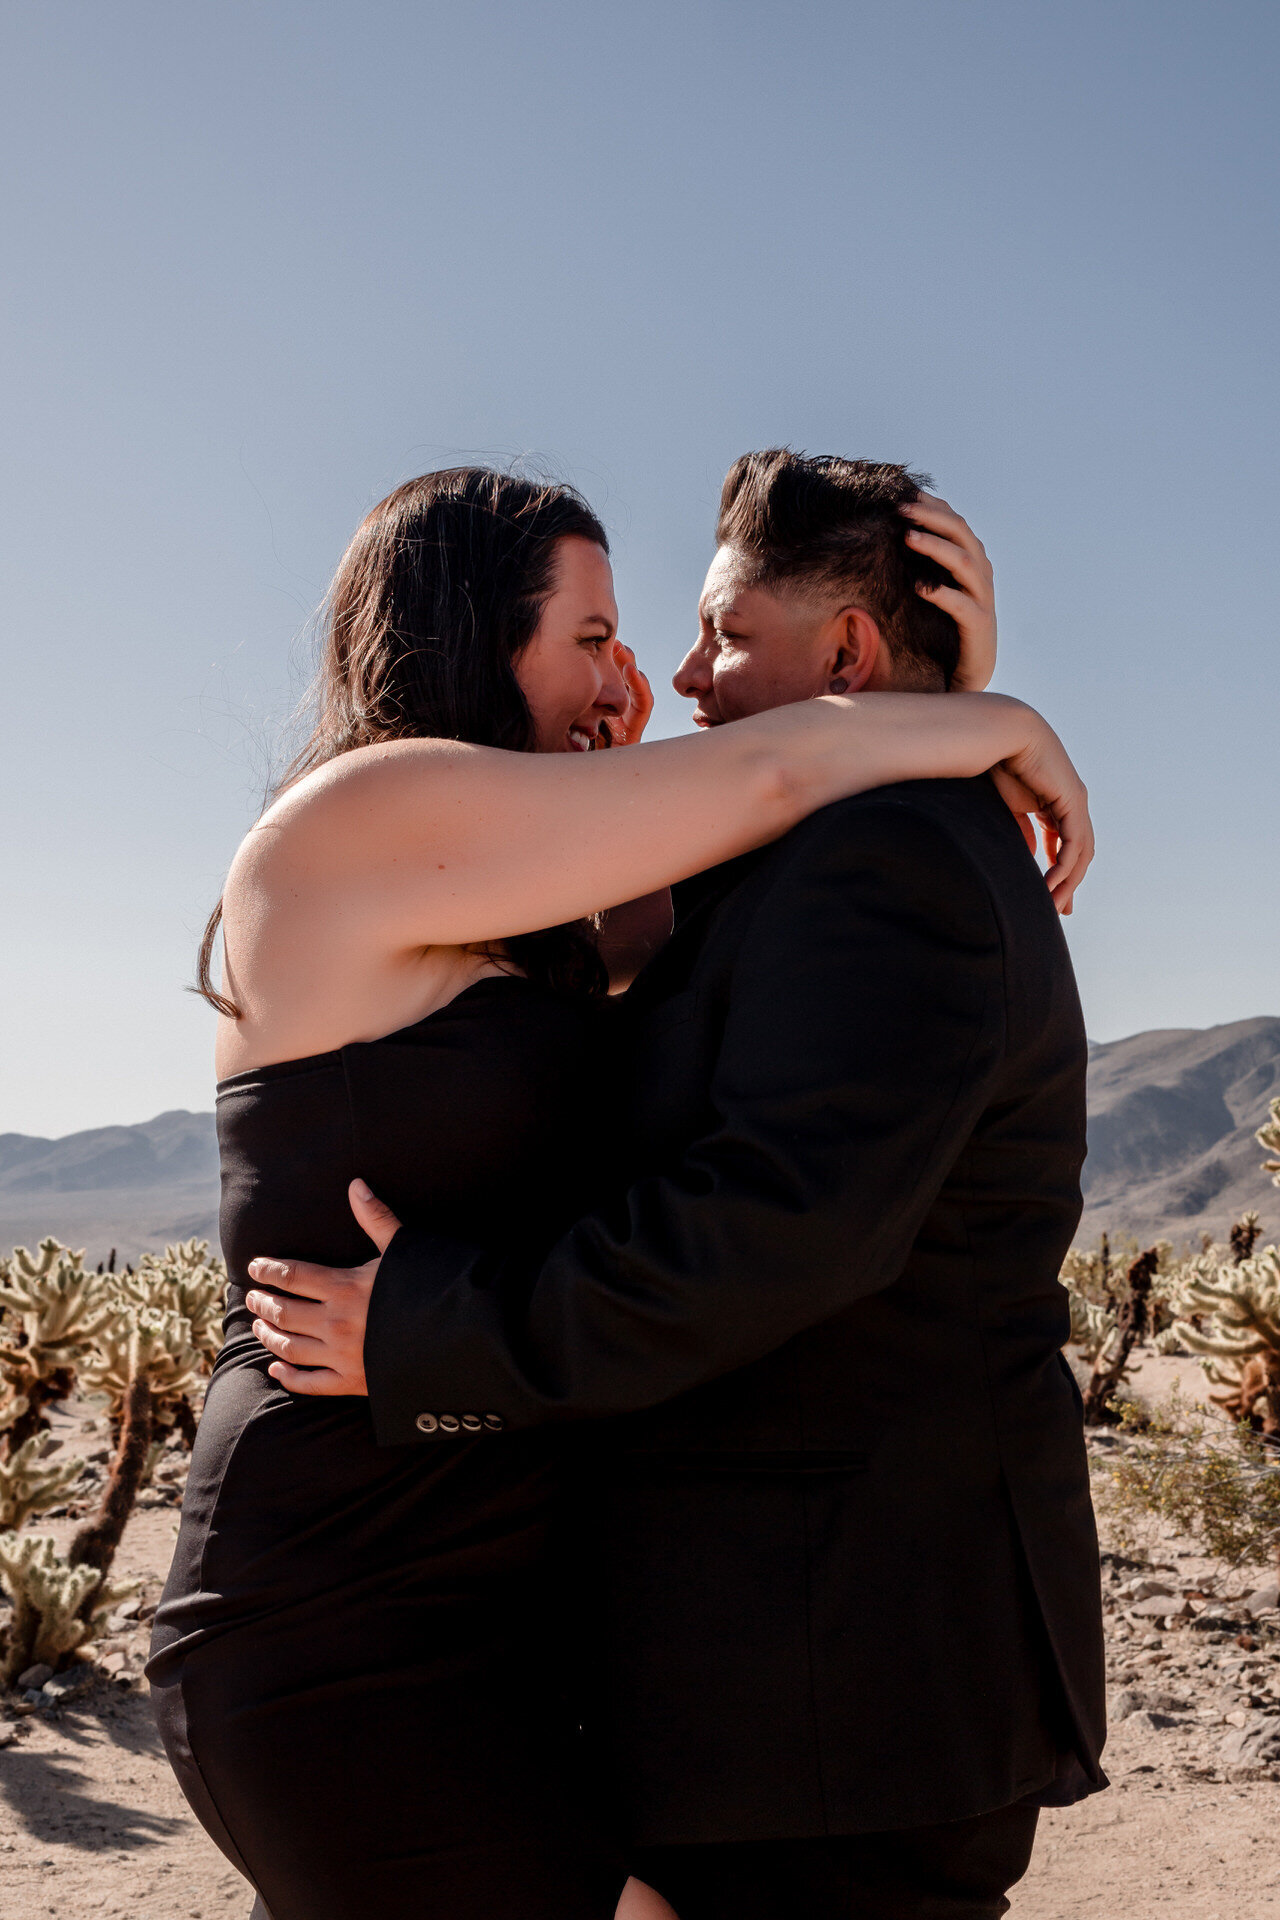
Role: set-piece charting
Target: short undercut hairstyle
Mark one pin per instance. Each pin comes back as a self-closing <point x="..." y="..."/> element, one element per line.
<point x="826" y="526"/>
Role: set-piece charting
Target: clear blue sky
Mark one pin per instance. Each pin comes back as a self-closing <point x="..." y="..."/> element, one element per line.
<point x="265" y="261"/>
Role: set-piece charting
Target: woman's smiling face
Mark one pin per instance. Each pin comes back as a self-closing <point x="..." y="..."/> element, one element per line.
<point x="569" y="673"/>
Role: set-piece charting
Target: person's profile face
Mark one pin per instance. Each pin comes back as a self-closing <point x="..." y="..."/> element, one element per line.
<point x="569" y="672"/>
<point x="755" y="648"/>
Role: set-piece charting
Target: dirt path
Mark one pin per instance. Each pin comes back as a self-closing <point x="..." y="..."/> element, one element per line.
<point x="91" y="1823"/>
<point x="1150" y="1849"/>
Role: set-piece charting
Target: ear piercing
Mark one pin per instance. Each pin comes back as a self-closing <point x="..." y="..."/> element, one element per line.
<point x="838" y="685"/>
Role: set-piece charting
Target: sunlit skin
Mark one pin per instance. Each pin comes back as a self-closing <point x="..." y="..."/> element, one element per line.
<point x="754" y="649"/>
<point x="571" y="673"/>
<point x="760" y="647"/>
<point x="755" y="654"/>
<point x="578" y="679"/>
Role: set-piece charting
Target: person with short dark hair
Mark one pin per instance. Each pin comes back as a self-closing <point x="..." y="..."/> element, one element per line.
<point x="819" y="527"/>
<point x="845" y="1599"/>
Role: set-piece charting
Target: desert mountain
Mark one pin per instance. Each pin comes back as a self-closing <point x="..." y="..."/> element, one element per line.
<point x="123" y="1187"/>
<point x="1172" y="1116"/>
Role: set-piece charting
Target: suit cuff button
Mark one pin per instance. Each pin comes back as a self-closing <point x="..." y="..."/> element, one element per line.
<point x="449" y="1423"/>
<point x="471" y="1423"/>
<point x="426" y="1423"/>
<point x="494" y="1422"/>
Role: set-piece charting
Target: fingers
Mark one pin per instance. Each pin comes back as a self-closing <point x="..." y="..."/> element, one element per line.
<point x="299" y="1349"/>
<point x="289" y="1316"/>
<point x="1072" y="854"/>
<point x="296" y="1276"/>
<point x="307" y="1380"/>
<point x="951" y="599"/>
<point x="1062" y="807"/>
<point x="973" y="574"/>
<point x="626" y="728"/>
<point x="931" y="511"/>
<point x="373" y="1216"/>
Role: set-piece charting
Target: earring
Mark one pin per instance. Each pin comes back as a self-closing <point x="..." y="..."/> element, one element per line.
<point x="838" y="685"/>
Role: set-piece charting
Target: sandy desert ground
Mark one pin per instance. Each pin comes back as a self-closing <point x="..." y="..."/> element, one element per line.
<point x="92" y="1825"/>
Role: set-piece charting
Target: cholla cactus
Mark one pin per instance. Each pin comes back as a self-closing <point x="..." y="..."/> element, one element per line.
<point x="56" y="1606"/>
<point x="1092" y="1323"/>
<point x="1244" y="1237"/>
<point x="27" y="1486"/>
<point x="1269" y="1137"/>
<point x="1239" y="1336"/>
<point x="188" y="1281"/>
<point x="1096" y="1280"/>
<point x="146" y="1364"/>
<point x="54" y="1310"/>
<point x="184" y="1279"/>
<point x="1092" y="1272"/>
<point x="152" y="1342"/>
<point x="1132" y="1320"/>
<point x="145" y="1340"/>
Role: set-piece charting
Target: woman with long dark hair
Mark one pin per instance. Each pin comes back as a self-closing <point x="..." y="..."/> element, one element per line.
<point x="361" y="1664"/>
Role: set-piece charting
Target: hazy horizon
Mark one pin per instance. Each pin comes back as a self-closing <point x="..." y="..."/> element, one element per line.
<point x="265" y="262"/>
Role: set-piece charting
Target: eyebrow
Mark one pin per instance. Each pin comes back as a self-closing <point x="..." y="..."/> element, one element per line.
<point x="601" y="619"/>
<point x="714" y="605"/>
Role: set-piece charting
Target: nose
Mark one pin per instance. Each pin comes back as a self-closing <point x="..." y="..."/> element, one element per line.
<point x="613" y="696"/>
<point x="693" y="675"/>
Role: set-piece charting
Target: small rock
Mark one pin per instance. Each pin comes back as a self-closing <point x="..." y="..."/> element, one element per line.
<point x="1167" y="1703"/>
<point x="1147" y="1722"/>
<point x="113" y="1662"/>
<point x="35" y="1676"/>
<point x="1256" y="1744"/>
<point x="64" y="1685"/>
<point x="1148" y="1589"/>
<point x="1263" y="1599"/>
<point x="1130" y="1700"/>
<point x="8" y="1732"/>
<point x="1160" y="1607"/>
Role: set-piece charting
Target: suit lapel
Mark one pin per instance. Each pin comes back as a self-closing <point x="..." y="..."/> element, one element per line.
<point x="696" y="901"/>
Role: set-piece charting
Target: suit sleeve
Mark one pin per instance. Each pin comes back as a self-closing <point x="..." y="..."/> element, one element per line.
<point x="863" y="1031"/>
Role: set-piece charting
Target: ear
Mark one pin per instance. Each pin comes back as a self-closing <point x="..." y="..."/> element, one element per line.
<point x="852" y="650"/>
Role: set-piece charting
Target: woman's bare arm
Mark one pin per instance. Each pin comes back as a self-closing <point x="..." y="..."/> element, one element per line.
<point x="427" y="843"/>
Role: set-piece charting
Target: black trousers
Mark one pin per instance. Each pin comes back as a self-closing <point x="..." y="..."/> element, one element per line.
<point x="960" y="1871"/>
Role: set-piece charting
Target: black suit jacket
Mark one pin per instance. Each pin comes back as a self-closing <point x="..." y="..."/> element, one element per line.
<point x="850" y="1575"/>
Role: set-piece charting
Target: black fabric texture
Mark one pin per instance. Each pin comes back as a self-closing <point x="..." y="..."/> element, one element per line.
<point x="848" y="1575"/>
<point x="362" y="1661"/>
<point x="961" y="1871"/>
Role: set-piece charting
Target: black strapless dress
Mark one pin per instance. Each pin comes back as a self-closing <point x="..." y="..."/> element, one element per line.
<point x="360" y="1664"/>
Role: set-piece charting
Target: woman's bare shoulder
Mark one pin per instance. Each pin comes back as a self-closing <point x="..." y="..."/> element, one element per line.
<point x="338" y="804"/>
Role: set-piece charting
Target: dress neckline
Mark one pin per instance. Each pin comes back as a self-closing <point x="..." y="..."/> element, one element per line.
<point x="310" y="1062"/>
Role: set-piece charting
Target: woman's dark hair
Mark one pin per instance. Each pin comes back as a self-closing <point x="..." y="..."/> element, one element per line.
<point x="433" y="602"/>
